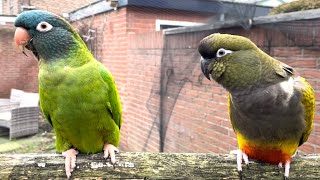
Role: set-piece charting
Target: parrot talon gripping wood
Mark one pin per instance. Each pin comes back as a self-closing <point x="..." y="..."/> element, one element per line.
<point x="240" y="175"/>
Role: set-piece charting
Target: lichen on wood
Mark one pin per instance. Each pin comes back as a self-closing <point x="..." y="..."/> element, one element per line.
<point x="142" y="165"/>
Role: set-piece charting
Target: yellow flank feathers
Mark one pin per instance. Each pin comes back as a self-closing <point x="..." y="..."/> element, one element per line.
<point x="271" y="152"/>
<point x="288" y="147"/>
<point x="309" y="103"/>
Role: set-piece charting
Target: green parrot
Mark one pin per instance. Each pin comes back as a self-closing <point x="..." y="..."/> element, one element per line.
<point x="271" y="109"/>
<point x="78" y="95"/>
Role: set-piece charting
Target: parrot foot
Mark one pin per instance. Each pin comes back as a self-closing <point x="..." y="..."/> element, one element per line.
<point x="280" y="166"/>
<point x="286" y="169"/>
<point x="240" y="156"/>
<point x="109" y="150"/>
<point x="245" y="159"/>
<point x="70" y="161"/>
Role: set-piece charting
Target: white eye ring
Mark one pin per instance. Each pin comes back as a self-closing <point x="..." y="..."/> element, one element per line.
<point x="222" y="52"/>
<point x="44" y="26"/>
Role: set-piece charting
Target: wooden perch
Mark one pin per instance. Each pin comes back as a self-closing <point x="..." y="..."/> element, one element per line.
<point x="151" y="166"/>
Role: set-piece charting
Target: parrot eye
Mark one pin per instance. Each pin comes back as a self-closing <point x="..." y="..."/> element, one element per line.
<point x="44" y="26"/>
<point x="222" y="52"/>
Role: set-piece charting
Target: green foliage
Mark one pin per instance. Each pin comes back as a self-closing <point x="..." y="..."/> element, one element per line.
<point x="299" y="5"/>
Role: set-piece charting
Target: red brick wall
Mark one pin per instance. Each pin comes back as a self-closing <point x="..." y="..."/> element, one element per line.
<point x="141" y="20"/>
<point x="16" y="70"/>
<point x="143" y="87"/>
<point x="112" y="47"/>
<point x="143" y="81"/>
<point x="6" y="4"/>
<point x="199" y="120"/>
<point x="57" y="7"/>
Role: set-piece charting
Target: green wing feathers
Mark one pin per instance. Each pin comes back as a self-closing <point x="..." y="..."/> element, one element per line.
<point x="114" y="105"/>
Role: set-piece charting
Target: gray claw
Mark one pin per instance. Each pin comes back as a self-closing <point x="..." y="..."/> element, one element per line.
<point x="240" y="175"/>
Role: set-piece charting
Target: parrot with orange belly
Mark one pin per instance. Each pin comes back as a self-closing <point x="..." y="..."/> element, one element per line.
<point x="270" y="108"/>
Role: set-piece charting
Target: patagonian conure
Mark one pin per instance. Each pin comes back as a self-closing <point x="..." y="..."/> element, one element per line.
<point x="271" y="109"/>
<point x="78" y="95"/>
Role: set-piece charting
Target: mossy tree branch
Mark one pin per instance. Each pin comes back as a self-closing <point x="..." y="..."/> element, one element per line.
<point x="151" y="166"/>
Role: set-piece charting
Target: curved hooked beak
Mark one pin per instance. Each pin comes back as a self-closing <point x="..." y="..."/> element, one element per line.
<point x="204" y="67"/>
<point x="22" y="38"/>
<point x="208" y="54"/>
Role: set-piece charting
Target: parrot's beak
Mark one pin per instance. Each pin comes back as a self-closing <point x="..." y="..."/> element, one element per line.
<point x="208" y="55"/>
<point x="23" y="40"/>
<point x="204" y="67"/>
<point x="21" y="37"/>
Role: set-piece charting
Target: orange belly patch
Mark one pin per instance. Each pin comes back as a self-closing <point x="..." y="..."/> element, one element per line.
<point x="273" y="156"/>
<point x="268" y="151"/>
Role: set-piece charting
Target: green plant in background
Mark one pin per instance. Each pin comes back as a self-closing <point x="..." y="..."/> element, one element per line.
<point x="300" y="5"/>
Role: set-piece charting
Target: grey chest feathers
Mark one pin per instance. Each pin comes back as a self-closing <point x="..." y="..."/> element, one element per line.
<point x="274" y="112"/>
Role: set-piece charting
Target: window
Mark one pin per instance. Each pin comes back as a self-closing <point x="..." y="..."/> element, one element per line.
<point x="166" y="24"/>
<point x="1" y="7"/>
<point x="10" y="7"/>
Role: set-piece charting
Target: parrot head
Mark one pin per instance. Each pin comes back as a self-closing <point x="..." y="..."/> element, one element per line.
<point x="233" y="61"/>
<point x="47" y="35"/>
